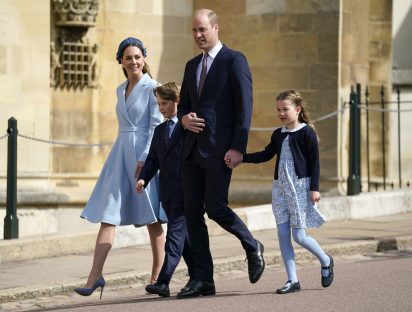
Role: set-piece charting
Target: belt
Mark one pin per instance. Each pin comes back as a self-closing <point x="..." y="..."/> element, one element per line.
<point x="133" y="129"/>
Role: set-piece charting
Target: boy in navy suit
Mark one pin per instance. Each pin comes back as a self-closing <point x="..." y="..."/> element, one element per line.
<point x="165" y="154"/>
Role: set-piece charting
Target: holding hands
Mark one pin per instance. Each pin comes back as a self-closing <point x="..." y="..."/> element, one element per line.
<point x="233" y="158"/>
<point x="191" y="122"/>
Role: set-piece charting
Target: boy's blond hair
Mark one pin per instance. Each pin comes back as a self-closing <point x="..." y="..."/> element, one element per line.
<point x="168" y="91"/>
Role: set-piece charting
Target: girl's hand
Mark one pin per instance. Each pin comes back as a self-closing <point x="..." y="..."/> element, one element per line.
<point x="138" y="169"/>
<point x="314" y="197"/>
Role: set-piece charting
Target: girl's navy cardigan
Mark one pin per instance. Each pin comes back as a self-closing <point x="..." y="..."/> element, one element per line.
<point x="304" y="146"/>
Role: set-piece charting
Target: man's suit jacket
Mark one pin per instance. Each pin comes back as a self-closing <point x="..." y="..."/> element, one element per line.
<point x="225" y="104"/>
<point x="167" y="159"/>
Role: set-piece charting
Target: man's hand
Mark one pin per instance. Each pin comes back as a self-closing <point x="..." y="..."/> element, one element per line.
<point x="193" y="123"/>
<point x="139" y="186"/>
<point x="233" y="158"/>
<point x="314" y="197"/>
<point x="138" y="169"/>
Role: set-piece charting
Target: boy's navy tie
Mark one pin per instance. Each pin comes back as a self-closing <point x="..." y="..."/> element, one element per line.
<point x="169" y="123"/>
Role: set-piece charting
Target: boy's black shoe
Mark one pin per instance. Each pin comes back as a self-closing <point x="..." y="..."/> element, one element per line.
<point x="158" y="288"/>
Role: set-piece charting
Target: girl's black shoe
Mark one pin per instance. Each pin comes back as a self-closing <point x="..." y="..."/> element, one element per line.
<point x="289" y="287"/>
<point x="327" y="280"/>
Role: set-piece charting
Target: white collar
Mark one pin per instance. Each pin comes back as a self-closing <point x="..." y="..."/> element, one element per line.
<point x="174" y="118"/>
<point x="300" y="126"/>
<point x="215" y="50"/>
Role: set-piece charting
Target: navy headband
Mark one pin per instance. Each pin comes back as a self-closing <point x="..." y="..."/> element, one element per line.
<point x="126" y="43"/>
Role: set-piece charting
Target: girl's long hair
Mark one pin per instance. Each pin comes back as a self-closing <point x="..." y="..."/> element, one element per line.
<point x="295" y="98"/>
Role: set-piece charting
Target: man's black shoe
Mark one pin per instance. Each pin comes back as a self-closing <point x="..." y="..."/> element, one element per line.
<point x="289" y="287"/>
<point x="197" y="288"/>
<point x="187" y="284"/>
<point x="158" y="288"/>
<point x="256" y="263"/>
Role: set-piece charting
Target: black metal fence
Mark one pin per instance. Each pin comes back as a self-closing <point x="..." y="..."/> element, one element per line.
<point x="362" y="110"/>
<point x="11" y="222"/>
<point x="361" y="142"/>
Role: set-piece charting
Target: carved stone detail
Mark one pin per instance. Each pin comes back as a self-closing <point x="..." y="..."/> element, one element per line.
<point x="55" y="66"/>
<point x="76" y="13"/>
<point x="74" y="65"/>
<point x="73" y="59"/>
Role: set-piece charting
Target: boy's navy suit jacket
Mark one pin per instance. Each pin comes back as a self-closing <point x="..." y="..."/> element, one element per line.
<point x="167" y="159"/>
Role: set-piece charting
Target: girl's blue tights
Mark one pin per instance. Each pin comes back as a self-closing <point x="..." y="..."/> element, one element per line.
<point x="307" y="242"/>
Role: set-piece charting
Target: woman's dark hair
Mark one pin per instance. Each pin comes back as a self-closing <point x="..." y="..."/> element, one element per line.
<point x="128" y="42"/>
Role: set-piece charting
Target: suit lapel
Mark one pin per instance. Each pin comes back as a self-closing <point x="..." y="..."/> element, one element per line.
<point x="192" y="78"/>
<point x="161" y="136"/>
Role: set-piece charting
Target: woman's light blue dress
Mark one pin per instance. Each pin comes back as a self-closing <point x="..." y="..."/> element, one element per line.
<point x="114" y="199"/>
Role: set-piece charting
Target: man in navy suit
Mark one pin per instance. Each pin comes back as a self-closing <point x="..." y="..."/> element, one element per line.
<point x="215" y="109"/>
<point x="165" y="154"/>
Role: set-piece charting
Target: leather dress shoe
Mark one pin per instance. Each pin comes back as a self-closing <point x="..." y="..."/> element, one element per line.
<point x="289" y="287"/>
<point x="197" y="288"/>
<point x="327" y="280"/>
<point x="187" y="284"/>
<point x="158" y="288"/>
<point x="256" y="263"/>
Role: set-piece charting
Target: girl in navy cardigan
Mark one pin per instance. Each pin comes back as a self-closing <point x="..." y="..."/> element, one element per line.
<point x="295" y="190"/>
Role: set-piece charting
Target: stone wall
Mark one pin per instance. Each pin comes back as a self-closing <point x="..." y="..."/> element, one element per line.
<point x="402" y="77"/>
<point x="319" y="47"/>
<point x="366" y="59"/>
<point x="24" y="84"/>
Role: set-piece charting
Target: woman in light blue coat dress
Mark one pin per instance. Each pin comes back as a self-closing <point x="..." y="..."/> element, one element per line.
<point x="114" y="200"/>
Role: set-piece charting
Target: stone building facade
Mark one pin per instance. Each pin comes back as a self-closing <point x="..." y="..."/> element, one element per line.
<point x="318" y="47"/>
